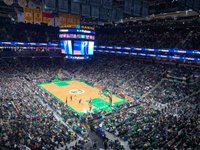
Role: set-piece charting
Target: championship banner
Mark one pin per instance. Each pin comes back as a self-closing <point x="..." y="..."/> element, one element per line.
<point x="70" y="19"/>
<point x="37" y="16"/>
<point x="47" y="18"/>
<point x="28" y="15"/>
<point x="77" y="20"/>
<point x="62" y="20"/>
<point x="73" y="19"/>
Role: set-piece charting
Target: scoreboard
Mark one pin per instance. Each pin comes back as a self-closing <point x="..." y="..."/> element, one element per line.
<point x="77" y="43"/>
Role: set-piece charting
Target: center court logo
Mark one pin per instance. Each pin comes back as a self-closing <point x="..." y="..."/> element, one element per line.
<point x="76" y="91"/>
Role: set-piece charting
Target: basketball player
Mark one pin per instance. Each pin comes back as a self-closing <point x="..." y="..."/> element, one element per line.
<point x="66" y="100"/>
<point x="90" y="107"/>
<point x="71" y="98"/>
<point x="110" y="98"/>
<point x="100" y="92"/>
<point x="90" y="101"/>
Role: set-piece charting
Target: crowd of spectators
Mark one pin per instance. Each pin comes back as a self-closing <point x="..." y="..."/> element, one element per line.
<point x="169" y="33"/>
<point x="22" y="32"/>
<point x="26" y="122"/>
<point x="160" y="33"/>
<point x="159" y="121"/>
<point x="163" y="114"/>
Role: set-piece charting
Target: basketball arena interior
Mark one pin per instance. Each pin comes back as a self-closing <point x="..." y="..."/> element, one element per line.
<point x="99" y="74"/>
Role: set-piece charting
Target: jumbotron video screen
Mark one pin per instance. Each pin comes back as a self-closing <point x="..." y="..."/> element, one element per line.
<point x="77" y="43"/>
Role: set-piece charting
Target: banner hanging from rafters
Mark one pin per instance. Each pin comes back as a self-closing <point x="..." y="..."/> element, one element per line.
<point x="37" y="15"/>
<point x="28" y="15"/>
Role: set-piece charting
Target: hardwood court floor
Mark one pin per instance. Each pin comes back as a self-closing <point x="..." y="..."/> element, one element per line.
<point x="63" y="90"/>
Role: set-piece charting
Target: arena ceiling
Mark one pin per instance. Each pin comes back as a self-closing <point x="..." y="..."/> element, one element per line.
<point x="156" y="7"/>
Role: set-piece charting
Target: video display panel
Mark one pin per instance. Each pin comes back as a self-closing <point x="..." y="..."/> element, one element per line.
<point x="66" y="46"/>
<point x="83" y="48"/>
<point x="79" y="48"/>
<point x="91" y="48"/>
<point x="77" y="42"/>
<point x="76" y="36"/>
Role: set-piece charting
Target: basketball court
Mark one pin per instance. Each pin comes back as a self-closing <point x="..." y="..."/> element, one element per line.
<point x="80" y="96"/>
